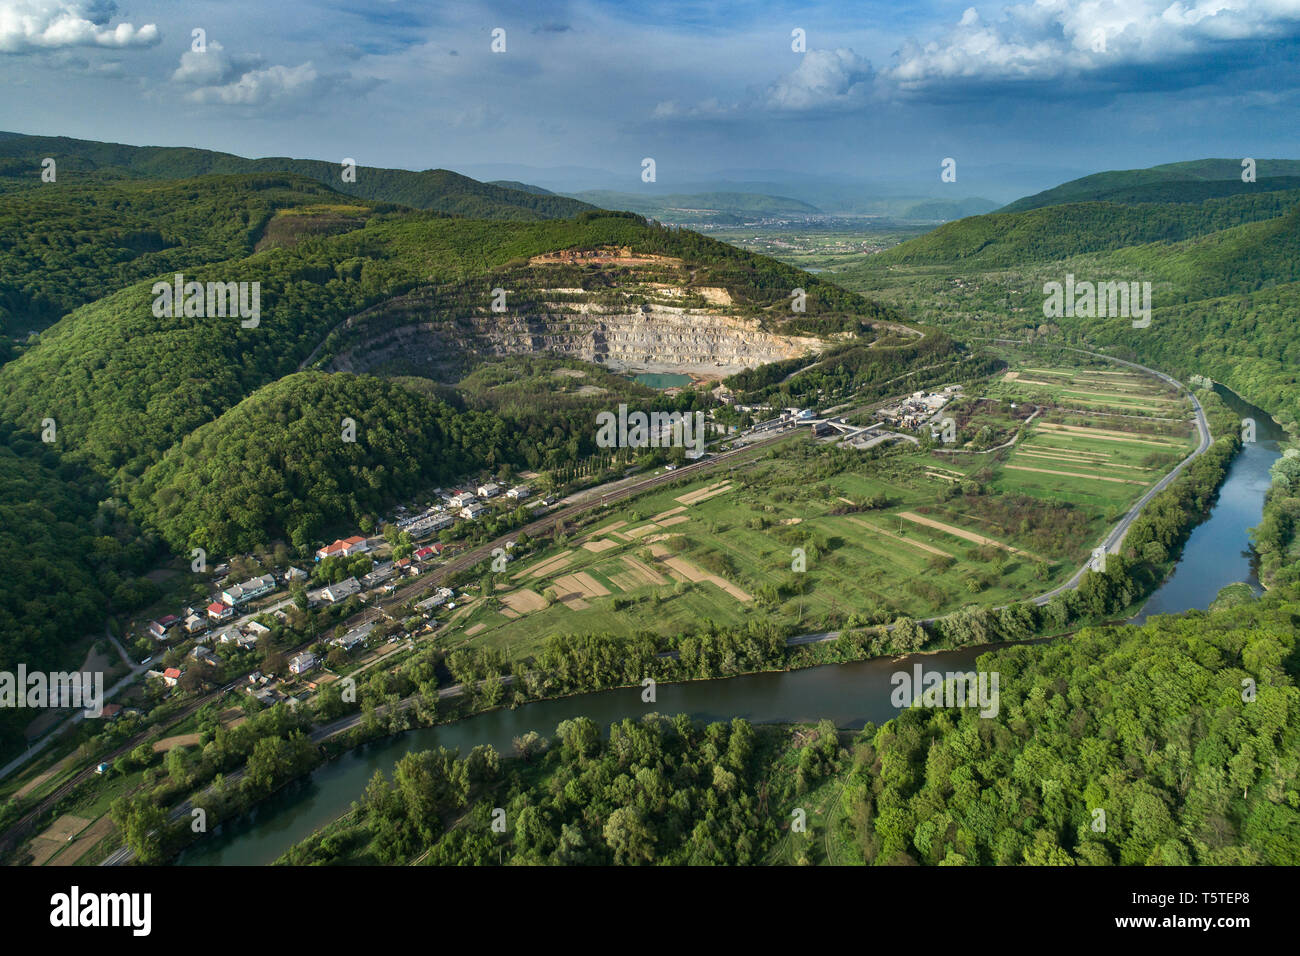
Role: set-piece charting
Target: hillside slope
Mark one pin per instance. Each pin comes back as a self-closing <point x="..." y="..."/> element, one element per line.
<point x="67" y="244"/>
<point x="1191" y="181"/>
<point x="439" y="190"/>
<point x="1056" y="231"/>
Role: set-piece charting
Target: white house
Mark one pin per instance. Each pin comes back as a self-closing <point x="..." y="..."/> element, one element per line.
<point x="490" y="490"/>
<point x="344" y="589"/>
<point x="354" y="637"/>
<point x="438" y="598"/>
<point x="302" y="663"/>
<point x="519" y="492"/>
<point x="248" y="590"/>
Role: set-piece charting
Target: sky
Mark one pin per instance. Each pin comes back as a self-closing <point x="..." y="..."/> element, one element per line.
<point x="580" y="93"/>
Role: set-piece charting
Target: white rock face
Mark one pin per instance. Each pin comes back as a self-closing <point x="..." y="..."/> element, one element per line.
<point x="653" y="338"/>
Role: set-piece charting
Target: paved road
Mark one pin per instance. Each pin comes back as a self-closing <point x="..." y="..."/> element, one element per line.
<point x="599" y="496"/>
<point x="579" y="503"/>
<point x="1113" y="540"/>
<point x="54" y="732"/>
<point x="124" y="854"/>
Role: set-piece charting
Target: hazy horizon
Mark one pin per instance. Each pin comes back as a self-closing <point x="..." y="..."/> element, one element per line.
<point x="1022" y="97"/>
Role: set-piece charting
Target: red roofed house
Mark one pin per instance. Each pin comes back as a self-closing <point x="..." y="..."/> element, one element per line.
<point x="219" y="612"/>
<point x="171" y="675"/>
<point x="343" y="547"/>
<point x="429" y="551"/>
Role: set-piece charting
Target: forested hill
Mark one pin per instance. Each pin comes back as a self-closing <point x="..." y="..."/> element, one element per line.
<point x="125" y="384"/>
<point x="1056" y="231"/>
<point x="436" y="189"/>
<point x="74" y="242"/>
<point x="1192" y="181"/>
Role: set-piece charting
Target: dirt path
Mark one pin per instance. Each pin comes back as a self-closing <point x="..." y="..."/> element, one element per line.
<point x="963" y="533"/>
<point x="898" y="537"/>
<point x="1101" y="434"/>
<point x="1075" y="474"/>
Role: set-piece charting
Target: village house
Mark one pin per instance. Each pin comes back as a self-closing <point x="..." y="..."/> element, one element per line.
<point x="265" y="695"/>
<point x="160" y="627"/>
<point x="519" y="492"/>
<point x="252" y="588"/>
<point x="220" y="612"/>
<point x="343" y="548"/>
<point x="461" y="499"/>
<point x="338" y="592"/>
<point x="379" y="574"/>
<point x="429" y="552"/>
<point x="354" y="637"/>
<point x="436" y="600"/>
<point x="194" y="624"/>
<point x="170" y="676"/>
<point x="472" y="511"/>
<point x="489" y="490"/>
<point x="302" y="663"/>
<point x="203" y="655"/>
<point x="295" y="574"/>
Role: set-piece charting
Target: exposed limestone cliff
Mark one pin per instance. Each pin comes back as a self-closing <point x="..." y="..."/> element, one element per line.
<point x="652" y="337"/>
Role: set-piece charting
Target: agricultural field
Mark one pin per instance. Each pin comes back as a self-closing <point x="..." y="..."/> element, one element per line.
<point x="1111" y="391"/>
<point x="820" y="535"/>
<point x="819" y="249"/>
<point x="1105" y="437"/>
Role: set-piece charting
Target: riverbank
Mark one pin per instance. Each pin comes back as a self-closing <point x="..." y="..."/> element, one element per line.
<point x="1100" y="596"/>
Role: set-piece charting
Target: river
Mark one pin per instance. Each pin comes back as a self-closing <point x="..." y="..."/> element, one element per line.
<point x="1217" y="553"/>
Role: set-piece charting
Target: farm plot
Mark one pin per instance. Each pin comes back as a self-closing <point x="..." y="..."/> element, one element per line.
<point x="1105" y="391"/>
<point x="885" y="534"/>
<point x="1103" y="469"/>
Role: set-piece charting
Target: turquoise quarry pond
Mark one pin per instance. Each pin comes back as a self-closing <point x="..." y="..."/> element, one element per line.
<point x="662" y="380"/>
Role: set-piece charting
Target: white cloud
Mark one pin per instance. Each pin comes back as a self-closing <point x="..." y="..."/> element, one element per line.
<point x="33" y="25"/>
<point x="823" y="79"/>
<point x="1049" y="39"/>
<point x="213" y="67"/>
<point x="257" y="87"/>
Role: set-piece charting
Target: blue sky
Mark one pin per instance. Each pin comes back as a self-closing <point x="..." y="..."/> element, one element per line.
<point x="1032" y="92"/>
